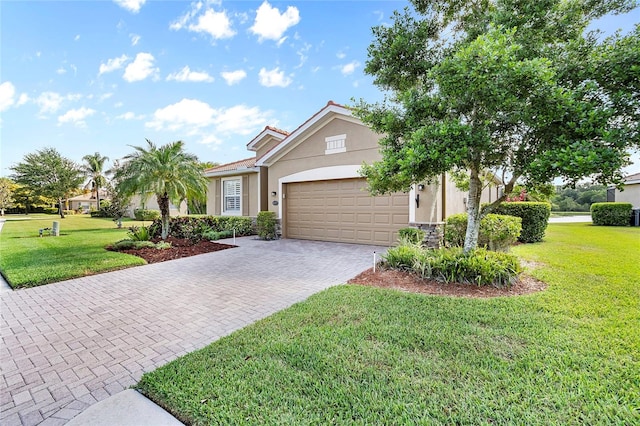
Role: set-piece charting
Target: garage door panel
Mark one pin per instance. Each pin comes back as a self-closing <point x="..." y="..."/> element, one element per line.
<point x="341" y="211"/>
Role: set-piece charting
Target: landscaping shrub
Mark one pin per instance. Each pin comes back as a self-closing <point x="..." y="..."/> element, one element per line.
<point x="142" y="214"/>
<point x="266" y="225"/>
<point x="215" y="235"/>
<point x="130" y="244"/>
<point x="414" y="235"/>
<point x="611" y="214"/>
<point x="139" y="233"/>
<point x="497" y="232"/>
<point x="163" y="245"/>
<point x="535" y="217"/>
<point x="195" y="227"/>
<point x="480" y="267"/>
<point x="68" y="212"/>
<point x="51" y="210"/>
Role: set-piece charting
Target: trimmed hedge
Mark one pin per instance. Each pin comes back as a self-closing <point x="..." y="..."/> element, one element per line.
<point x="141" y="214"/>
<point x="497" y="232"/>
<point x="535" y="218"/>
<point x="611" y="214"/>
<point x="194" y="228"/>
<point x="266" y="224"/>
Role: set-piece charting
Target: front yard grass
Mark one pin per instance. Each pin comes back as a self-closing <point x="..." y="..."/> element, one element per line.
<point x="26" y="260"/>
<point x="361" y="355"/>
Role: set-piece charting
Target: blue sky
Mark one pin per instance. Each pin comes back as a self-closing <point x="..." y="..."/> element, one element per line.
<point x="87" y="76"/>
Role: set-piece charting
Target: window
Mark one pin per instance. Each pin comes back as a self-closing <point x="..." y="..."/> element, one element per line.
<point x="335" y="144"/>
<point x="231" y="193"/>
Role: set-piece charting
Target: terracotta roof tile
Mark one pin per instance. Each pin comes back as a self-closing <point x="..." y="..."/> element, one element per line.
<point x="236" y="165"/>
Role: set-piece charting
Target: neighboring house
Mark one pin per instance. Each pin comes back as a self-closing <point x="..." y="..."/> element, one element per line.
<point x="630" y="192"/>
<point x="310" y="179"/>
<point x="151" y="203"/>
<point x="84" y="202"/>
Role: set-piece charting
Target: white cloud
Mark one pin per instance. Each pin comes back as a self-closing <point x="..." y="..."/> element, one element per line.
<point x="118" y="105"/>
<point x="61" y="70"/>
<point x="273" y="78"/>
<point x="185" y="74"/>
<point x="303" y="53"/>
<point x="7" y="95"/>
<point x="199" y="119"/>
<point x="140" y="68"/>
<point x="216" y="24"/>
<point x="24" y="98"/>
<point x="105" y="96"/>
<point x="349" y="68"/>
<point x="49" y="102"/>
<point x="113" y="64"/>
<point x="270" y="24"/>
<point x="77" y="37"/>
<point x="130" y="116"/>
<point x="341" y="55"/>
<point x="186" y="113"/>
<point x="135" y="38"/>
<point x="76" y="116"/>
<point x="233" y="77"/>
<point x="208" y="21"/>
<point x="132" y="6"/>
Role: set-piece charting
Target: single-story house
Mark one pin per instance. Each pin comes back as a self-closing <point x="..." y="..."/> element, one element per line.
<point x="151" y="203"/>
<point x="310" y="179"/>
<point x="630" y="192"/>
<point x="84" y="202"/>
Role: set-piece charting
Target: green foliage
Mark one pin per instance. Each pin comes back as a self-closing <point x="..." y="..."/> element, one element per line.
<point x="46" y="173"/>
<point x="535" y="217"/>
<point x="413" y="235"/>
<point x="515" y="88"/>
<point x="51" y="210"/>
<point x="216" y="235"/>
<point x="402" y="256"/>
<point x="497" y="232"/>
<point x="67" y="212"/>
<point x="163" y="245"/>
<point x="266" y="223"/>
<point x="139" y="233"/>
<point x="6" y="194"/>
<point x="578" y="199"/>
<point x="128" y="244"/>
<point x="144" y="214"/>
<point x="93" y="169"/>
<point x="611" y="214"/>
<point x="169" y="172"/>
<point x="193" y="227"/>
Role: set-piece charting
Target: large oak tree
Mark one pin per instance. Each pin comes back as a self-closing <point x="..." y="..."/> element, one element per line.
<point x="515" y="88"/>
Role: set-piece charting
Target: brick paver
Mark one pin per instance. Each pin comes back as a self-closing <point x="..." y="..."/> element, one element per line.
<point x="68" y="345"/>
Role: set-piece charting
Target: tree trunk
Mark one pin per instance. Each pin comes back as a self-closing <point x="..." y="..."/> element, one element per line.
<point x="60" y="208"/>
<point x="163" y="204"/>
<point x="473" y="212"/>
<point x="98" y="198"/>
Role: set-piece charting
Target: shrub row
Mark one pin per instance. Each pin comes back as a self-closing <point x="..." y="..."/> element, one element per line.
<point x="610" y="214"/>
<point x="194" y="228"/>
<point x="497" y="232"/>
<point x="479" y="267"/>
<point x="535" y="217"/>
<point x="142" y="214"/>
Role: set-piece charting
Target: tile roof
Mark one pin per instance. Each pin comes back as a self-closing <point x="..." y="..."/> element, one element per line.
<point x="236" y="165"/>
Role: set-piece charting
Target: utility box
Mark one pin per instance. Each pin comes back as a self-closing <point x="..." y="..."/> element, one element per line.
<point x="635" y="217"/>
<point x="55" y="229"/>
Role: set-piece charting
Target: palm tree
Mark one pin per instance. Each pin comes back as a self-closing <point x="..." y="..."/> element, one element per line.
<point x="92" y="168"/>
<point x="167" y="171"/>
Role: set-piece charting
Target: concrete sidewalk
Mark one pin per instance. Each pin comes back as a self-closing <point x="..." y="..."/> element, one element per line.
<point x="69" y="345"/>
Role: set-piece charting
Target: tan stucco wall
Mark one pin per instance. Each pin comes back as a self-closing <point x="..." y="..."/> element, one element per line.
<point x="309" y="152"/>
<point x="631" y="194"/>
<point x="266" y="145"/>
<point x="250" y="188"/>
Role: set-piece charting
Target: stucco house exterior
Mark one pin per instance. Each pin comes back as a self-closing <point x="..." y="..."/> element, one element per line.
<point x="85" y="202"/>
<point x="151" y="203"/>
<point x="630" y="193"/>
<point x="310" y="179"/>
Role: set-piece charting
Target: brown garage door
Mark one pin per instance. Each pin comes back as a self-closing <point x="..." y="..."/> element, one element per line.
<point x="341" y="211"/>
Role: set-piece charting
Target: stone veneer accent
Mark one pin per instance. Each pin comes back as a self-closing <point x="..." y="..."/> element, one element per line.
<point x="434" y="233"/>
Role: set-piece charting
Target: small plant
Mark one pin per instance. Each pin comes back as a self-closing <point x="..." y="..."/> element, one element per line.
<point x="402" y="257"/>
<point x="611" y="214"/>
<point x="139" y="233"/>
<point x="414" y="235"/>
<point x="266" y="224"/>
<point x="213" y="235"/>
<point x="163" y="245"/>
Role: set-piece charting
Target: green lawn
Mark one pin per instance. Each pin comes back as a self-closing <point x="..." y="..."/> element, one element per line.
<point x="26" y="260"/>
<point x="360" y="355"/>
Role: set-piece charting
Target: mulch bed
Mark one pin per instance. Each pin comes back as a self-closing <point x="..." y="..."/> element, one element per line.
<point x="405" y="281"/>
<point x="180" y="247"/>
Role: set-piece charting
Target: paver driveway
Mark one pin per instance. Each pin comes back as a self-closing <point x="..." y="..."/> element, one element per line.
<point x="71" y="344"/>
